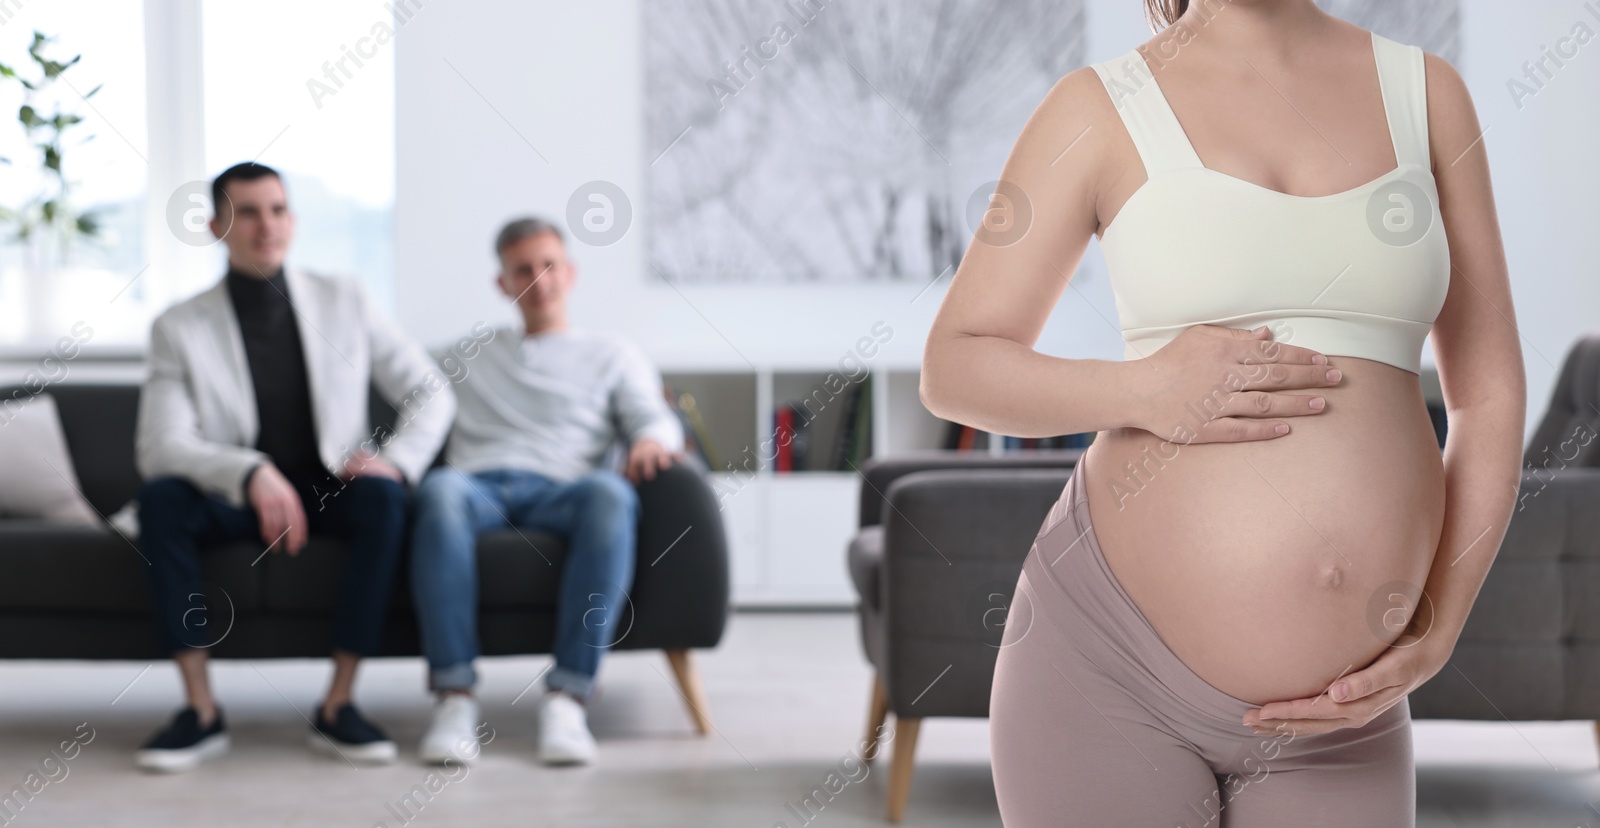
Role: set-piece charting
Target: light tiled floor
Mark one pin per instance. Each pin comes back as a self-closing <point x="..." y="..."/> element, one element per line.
<point x="788" y="694"/>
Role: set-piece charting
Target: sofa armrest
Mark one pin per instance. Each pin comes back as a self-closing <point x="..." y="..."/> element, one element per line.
<point x="954" y="543"/>
<point x="681" y="574"/>
<point x="880" y="473"/>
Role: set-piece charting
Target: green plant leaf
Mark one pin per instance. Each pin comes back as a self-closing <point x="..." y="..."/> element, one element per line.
<point x="29" y="117"/>
<point x="87" y="225"/>
<point x="8" y="72"/>
<point x="94" y="90"/>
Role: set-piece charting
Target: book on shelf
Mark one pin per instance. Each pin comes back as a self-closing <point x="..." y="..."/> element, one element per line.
<point x="855" y="446"/>
<point x="783" y="432"/>
<point x="813" y="435"/>
<point x="696" y="436"/>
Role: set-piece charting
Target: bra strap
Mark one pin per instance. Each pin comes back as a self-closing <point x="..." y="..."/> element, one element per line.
<point x="1155" y="131"/>
<point x="1403" y="79"/>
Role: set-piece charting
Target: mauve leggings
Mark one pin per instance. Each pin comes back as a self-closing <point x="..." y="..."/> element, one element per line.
<point x="1094" y="722"/>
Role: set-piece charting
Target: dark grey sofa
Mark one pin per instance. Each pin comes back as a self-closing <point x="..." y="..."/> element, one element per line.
<point x="82" y="593"/>
<point x="941" y="532"/>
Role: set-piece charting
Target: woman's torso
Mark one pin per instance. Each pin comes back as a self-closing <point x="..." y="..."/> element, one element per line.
<point x="1273" y="567"/>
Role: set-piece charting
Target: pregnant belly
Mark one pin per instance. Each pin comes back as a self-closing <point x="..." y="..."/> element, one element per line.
<point x="1273" y="567"/>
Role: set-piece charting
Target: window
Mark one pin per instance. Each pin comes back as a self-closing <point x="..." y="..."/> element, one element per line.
<point x="316" y="103"/>
<point x="46" y="288"/>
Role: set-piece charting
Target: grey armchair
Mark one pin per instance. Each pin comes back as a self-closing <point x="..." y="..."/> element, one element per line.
<point x="943" y="536"/>
<point x="939" y="530"/>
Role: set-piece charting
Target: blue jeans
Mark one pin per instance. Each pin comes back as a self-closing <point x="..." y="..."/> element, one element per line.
<point x="597" y="515"/>
<point x="177" y="521"/>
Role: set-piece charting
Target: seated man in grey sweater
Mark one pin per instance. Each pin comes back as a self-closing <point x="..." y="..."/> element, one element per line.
<point x="537" y="413"/>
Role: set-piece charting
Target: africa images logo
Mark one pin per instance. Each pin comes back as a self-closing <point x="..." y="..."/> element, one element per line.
<point x="1399" y="213"/>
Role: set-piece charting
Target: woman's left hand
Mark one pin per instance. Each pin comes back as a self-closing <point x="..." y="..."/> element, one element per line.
<point x="1358" y="698"/>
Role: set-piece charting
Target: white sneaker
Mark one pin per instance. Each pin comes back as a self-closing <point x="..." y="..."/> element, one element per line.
<point x="453" y="733"/>
<point x="564" y="737"/>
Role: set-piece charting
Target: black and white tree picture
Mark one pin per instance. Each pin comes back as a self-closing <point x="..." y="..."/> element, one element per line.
<point x="830" y="142"/>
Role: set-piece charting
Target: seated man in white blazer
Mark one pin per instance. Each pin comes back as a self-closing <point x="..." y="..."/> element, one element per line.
<point x="253" y="424"/>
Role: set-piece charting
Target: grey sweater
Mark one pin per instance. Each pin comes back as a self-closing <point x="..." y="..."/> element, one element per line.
<point x="554" y="403"/>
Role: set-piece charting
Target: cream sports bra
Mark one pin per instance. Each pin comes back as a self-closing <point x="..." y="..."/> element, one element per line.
<point x="1360" y="273"/>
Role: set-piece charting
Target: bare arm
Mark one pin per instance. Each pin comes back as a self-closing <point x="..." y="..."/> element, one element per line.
<point x="1479" y="354"/>
<point x="979" y="366"/>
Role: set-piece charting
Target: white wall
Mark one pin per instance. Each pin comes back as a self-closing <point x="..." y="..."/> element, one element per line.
<point x="567" y="77"/>
<point x="1546" y="174"/>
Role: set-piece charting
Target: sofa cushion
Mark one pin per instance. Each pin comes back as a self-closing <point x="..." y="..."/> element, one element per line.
<point x="48" y="566"/>
<point x="37" y="478"/>
<point x="866" y="564"/>
<point x="516" y="570"/>
<point x="98" y="422"/>
<point x="519" y="569"/>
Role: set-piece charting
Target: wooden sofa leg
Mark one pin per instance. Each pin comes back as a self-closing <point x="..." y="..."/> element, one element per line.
<point x="905" y="749"/>
<point x="877" y="712"/>
<point x="693" y="693"/>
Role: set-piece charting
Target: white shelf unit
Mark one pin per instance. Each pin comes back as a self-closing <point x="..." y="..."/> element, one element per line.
<point x="788" y="530"/>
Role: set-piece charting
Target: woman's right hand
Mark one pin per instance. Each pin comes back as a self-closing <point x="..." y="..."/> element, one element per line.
<point x="1214" y="384"/>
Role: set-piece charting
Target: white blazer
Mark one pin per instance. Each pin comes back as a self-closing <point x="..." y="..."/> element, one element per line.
<point x="197" y="413"/>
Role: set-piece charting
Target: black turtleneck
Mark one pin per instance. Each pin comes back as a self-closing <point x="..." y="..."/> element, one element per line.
<point x="272" y="348"/>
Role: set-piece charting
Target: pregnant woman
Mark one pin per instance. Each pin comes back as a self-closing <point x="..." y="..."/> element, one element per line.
<point x="1263" y="550"/>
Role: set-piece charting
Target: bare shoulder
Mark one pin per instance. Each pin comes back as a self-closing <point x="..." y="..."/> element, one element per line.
<point x="1453" y="126"/>
<point x="1081" y="91"/>
<point x="1076" y="107"/>
<point x="1069" y="144"/>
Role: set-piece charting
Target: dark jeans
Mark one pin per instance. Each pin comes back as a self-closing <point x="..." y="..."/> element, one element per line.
<point x="177" y="521"/>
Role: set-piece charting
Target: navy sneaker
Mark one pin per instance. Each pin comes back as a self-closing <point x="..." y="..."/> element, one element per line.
<point x="351" y="737"/>
<point x="183" y="743"/>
